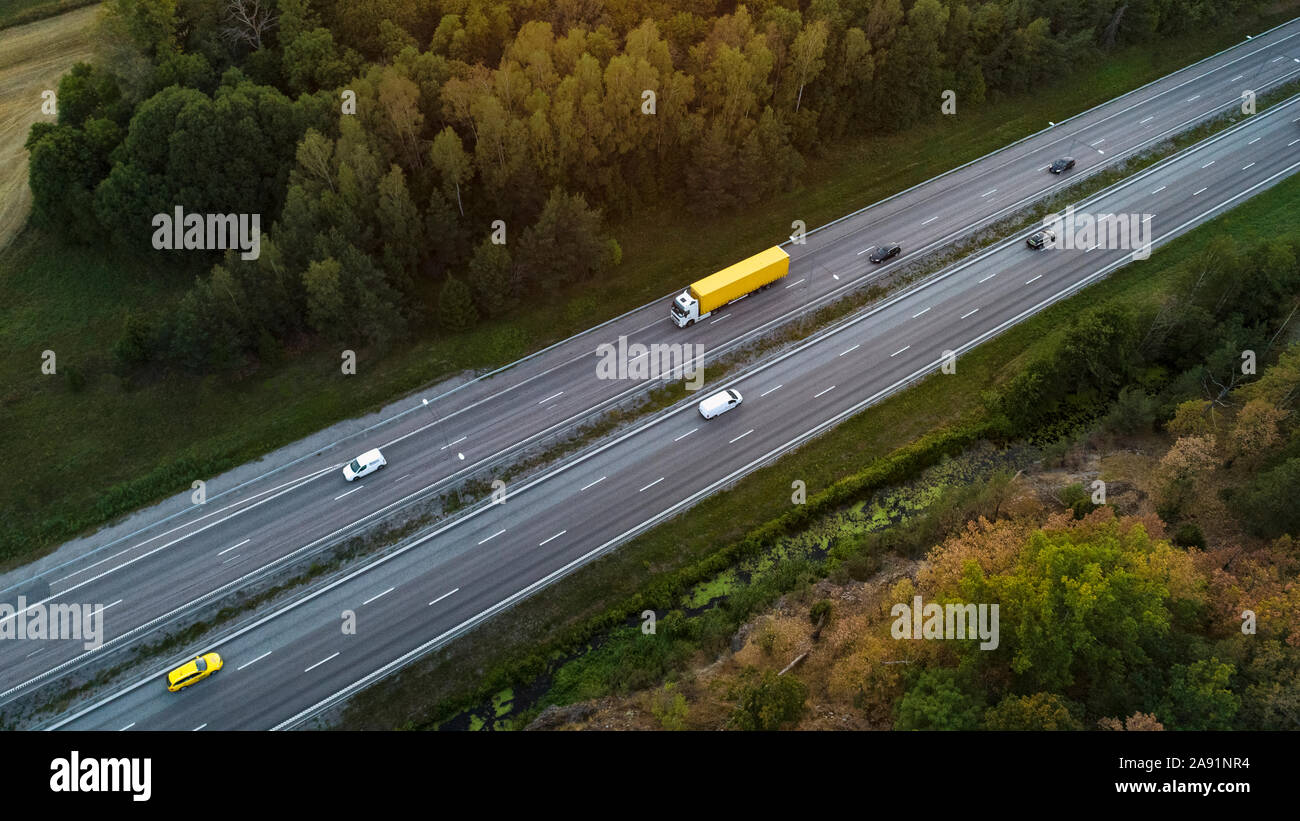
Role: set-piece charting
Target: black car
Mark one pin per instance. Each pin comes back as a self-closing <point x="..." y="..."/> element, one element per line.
<point x="885" y="252"/>
<point x="1063" y="164"/>
<point x="1040" y="238"/>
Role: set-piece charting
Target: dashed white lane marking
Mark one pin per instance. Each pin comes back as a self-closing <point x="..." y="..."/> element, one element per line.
<point x="1193" y="99"/>
<point x="1247" y="165"/>
<point x="544" y="541"/>
<point x="1238" y="77"/>
<point x="652" y="484"/>
<point x="719" y="319"/>
<point x="254" y="661"/>
<point x="463" y="438"/>
<point x="1252" y="142"/>
<point x="1099" y="142"/>
<point x="124" y="551"/>
<point x="1202" y="191"/>
<point x="828" y="390"/>
<point x="443" y="596"/>
<point x="849" y="350"/>
<point x="549" y="398"/>
<point x="990" y="191"/>
<point x="897" y="352"/>
<point x="972" y="313"/>
<point x="493" y="536"/>
<point x="1208" y="164"/>
<point x="1158" y="190"/>
<point x="769" y="390"/>
<point x="1147" y="120"/>
<point x="319" y="663"/>
<point x="200" y="727"/>
<point x="127" y="727"/>
<point x="987" y="278"/>
<point x="1035" y="279"/>
<point x="930" y="220"/>
<point x="228" y="549"/>
<point x="381" y="595"/>
<point x="684" y="435"/>
<point x="406" y="476"/>
<point x="643" y="327"/>
<point x="741" y="436"/>
<point x="792" y="284"/>
<point x="918" y="313"/>
<point x="593" y="484"/>
<point x="1293" y="142"/>
<point x="353" y="490"/>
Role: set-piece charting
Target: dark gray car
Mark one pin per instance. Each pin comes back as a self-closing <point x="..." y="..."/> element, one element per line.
<point x="885" y="252"/>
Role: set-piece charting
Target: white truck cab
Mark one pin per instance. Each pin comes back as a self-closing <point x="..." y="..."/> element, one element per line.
<point x="686" y="309"/>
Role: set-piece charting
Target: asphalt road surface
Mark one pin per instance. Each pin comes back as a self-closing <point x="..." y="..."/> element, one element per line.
<point x="296" y="660"/>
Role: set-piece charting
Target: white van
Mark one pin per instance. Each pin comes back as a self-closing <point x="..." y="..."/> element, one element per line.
<point x="720" y="402"/>
<point x="364" y="465"/>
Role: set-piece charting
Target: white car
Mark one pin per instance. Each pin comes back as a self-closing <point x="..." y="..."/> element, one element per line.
<point x="720" y="402"/>
<point x="364" y="465"/>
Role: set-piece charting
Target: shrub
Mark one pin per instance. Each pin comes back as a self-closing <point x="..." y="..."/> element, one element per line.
<point x="670" y="708"/>
<point x="1189" y="535"/>
<point x="770" y="702"/>
<point x="821" y="610"/>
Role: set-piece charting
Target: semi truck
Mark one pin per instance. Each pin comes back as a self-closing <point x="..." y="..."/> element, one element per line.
<point x="728" y="285"/>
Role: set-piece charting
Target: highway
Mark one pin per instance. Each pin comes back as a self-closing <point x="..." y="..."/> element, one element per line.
<point x="297" y="660"/>
<point x="185" y="559"/>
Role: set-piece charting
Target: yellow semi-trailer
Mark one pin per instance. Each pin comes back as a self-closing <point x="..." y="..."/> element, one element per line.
<point x="728" y="285"/>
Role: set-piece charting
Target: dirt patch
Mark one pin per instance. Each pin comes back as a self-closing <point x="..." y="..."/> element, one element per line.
<point x="32" y="58"/>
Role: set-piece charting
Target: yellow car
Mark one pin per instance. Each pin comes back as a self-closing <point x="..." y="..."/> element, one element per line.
<point x="195" y="669"/>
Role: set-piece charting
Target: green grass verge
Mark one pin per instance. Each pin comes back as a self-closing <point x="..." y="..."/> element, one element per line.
<point x="95" y="447"/>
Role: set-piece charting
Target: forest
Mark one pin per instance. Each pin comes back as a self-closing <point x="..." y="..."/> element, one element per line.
<point x="387" y="144"/>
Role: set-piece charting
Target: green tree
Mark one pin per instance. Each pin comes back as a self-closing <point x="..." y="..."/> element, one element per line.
<point x="326" y="301"/>
<point x="456" y="311"/>
<point x="1267" y="505"/>
<point x="399" y="229"/>
<point x="66" y="165"/>
<point x="493" y="278"/>
<point x="936" y="701"/>
<point x="565" y="243"/>
<point x="1040" y="711"/>
<point x="1082" y="608"/>
<point x="448" y="156"/>
<point x="1199" y="696"/>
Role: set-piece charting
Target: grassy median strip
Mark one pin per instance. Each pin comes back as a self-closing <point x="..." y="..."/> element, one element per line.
<point x="101" y="446"/>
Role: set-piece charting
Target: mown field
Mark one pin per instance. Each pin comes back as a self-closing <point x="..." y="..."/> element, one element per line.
<point x="32" y="59"/>
<point x="99" y="446"/>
